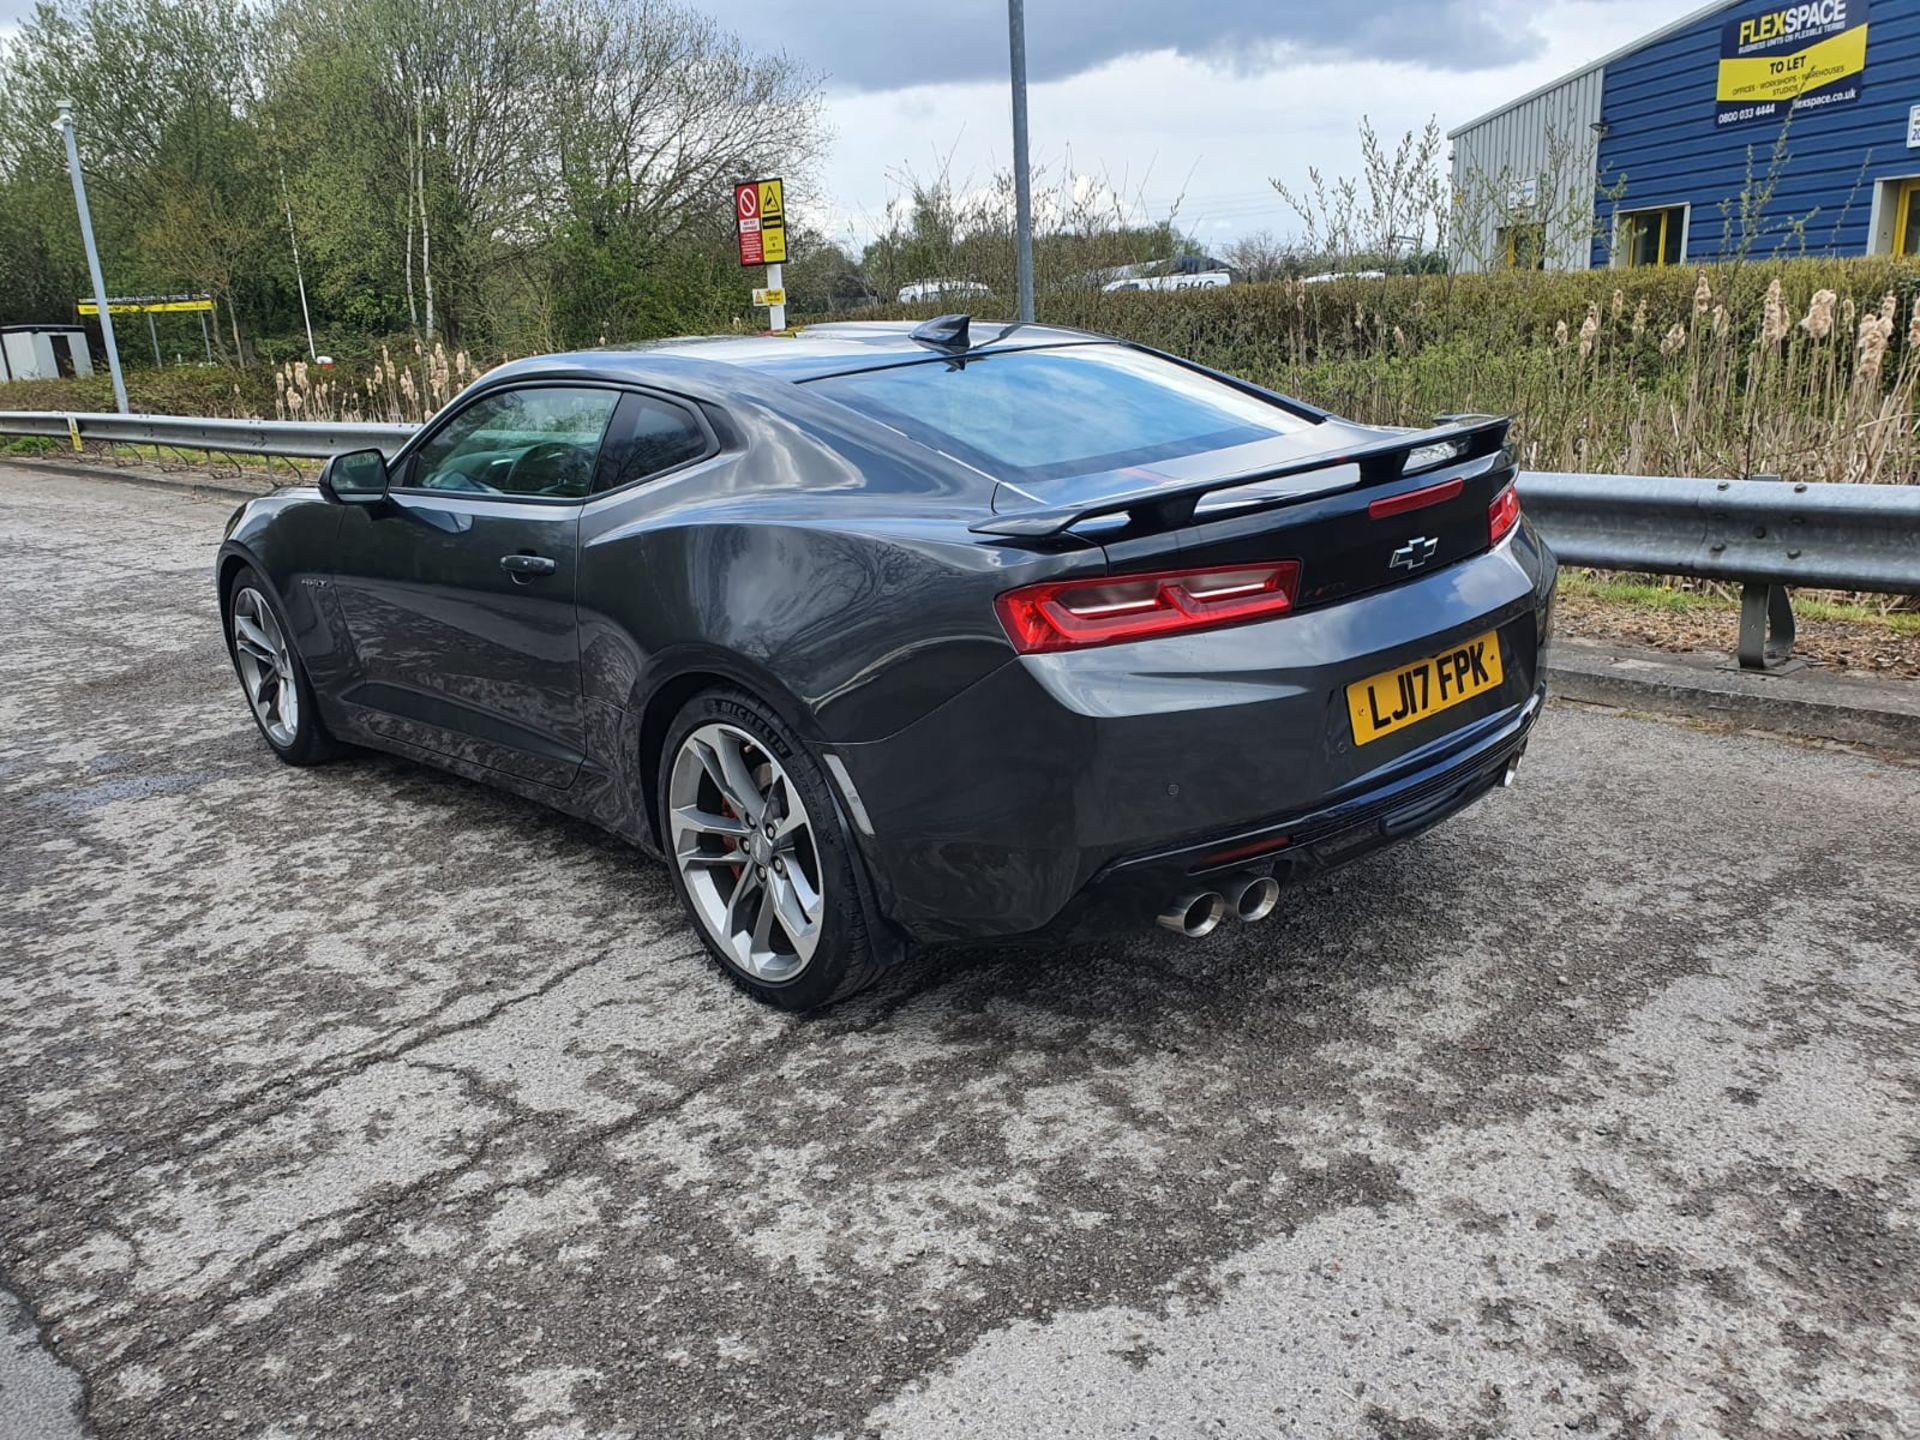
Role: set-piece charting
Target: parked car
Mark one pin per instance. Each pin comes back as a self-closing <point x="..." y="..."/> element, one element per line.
<point x="942" y="290"/>
<point x="886" y="636"/>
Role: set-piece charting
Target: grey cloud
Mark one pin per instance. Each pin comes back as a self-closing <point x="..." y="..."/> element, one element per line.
<point x="876" y="45"/>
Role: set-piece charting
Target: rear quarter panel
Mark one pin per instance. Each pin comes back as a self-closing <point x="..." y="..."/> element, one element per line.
<point x="818" y="559"/>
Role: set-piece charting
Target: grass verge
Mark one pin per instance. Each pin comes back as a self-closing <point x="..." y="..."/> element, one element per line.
<point x="1632" y="592"/>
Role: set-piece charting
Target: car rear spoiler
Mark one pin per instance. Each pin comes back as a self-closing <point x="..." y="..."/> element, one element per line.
<point x="1171" y="505"/>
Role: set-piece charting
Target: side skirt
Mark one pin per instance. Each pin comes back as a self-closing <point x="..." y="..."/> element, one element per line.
<point x="597" y="796"/>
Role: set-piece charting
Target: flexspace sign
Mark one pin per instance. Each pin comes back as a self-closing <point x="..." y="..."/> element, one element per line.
<point x="1806" y="57"/>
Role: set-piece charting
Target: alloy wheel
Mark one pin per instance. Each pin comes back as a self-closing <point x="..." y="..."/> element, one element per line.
<point x="745" y="848"/>
<point x="266" y="667"/>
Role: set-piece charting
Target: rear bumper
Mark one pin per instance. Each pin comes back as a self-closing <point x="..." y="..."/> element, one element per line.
<point x="1131" y="891"/>
<point x="1070" y="792"/>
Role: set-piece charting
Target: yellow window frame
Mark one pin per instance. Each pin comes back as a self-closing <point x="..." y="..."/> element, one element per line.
<point x="1903" y="216"/>
<point x="1635" y="219"/>
<point x="1535" y="234"/>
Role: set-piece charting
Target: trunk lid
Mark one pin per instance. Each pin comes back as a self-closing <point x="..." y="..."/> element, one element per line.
<point x="1337" y="498"/>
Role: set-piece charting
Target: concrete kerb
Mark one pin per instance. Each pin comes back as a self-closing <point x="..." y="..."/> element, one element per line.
<point x="1814" y="702"/>
<point x="235" y="485"/>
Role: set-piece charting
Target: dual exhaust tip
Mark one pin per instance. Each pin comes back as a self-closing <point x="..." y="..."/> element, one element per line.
<point x="1245" y="897"/>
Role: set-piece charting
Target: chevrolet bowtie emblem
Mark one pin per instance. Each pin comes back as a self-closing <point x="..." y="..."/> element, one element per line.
<point x="1415" y="553"/>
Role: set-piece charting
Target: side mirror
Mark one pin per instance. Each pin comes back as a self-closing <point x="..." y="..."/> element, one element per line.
<point x="356" y="478"/>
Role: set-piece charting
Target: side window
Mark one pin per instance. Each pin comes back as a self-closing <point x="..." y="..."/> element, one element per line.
<point x="649" y="436"/>
<point x="542" y="440"/>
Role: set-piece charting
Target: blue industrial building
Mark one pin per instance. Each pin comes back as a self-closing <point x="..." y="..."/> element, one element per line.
<point x="1744" y="128"/>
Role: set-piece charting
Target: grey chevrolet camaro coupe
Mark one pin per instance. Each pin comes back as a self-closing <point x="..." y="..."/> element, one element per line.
<point x="886" y="636"/>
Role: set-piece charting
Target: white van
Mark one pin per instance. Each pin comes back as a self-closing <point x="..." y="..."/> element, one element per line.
<point x="1202" y="280"/>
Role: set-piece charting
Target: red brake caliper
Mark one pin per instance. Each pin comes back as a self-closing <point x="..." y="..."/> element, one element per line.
<point x="733" y="842"/>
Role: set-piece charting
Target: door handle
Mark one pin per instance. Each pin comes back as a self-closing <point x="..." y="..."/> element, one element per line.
<point x="522" y="567"/>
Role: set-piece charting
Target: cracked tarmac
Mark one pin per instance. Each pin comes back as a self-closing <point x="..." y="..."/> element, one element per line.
<point x="362" y="1099"/>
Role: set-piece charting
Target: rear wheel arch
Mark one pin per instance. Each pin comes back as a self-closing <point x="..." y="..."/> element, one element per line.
<point x="669" y="696"/>
<point x="854" y="942"/>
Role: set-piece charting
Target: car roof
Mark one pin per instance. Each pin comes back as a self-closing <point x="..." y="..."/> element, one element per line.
<point x="833" y="349"/>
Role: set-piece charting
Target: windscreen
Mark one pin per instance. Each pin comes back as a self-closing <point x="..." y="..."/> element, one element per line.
<point x="1035" y="415"/>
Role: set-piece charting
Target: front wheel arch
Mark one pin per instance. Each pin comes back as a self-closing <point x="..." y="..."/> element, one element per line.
<point x="311" y="742"/>
<point x="232" y="561"/>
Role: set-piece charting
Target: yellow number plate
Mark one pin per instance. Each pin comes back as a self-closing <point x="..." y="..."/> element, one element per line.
<point x="1389" y="702"/>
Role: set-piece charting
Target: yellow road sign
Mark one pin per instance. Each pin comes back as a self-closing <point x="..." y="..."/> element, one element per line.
<point x="770" y="297"/>
<point x="772" y="200"/>
<point x="135" y="307"/>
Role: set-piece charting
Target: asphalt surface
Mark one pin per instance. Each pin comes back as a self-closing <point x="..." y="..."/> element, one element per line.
<point x="39" y="1398"/>
<point x="361" y="1100"/>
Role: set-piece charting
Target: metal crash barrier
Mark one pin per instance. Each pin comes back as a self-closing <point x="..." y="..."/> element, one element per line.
<point x="1765" y="535"/>
<point x="297" y="439"/>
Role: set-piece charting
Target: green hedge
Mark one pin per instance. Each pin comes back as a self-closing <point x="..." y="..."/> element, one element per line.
<point x="176" y="390"/>
<point x="1243" y="327"/>
<point x="1609" y="370"/>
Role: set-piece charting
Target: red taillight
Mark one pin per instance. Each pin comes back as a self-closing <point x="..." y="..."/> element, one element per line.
<point x="1503" y="515"/>
<point x="1070" y="614"/>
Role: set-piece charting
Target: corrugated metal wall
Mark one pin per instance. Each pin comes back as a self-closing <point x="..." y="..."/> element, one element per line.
<point x="1535" y="159"/>
<point x="1663" y="146"/>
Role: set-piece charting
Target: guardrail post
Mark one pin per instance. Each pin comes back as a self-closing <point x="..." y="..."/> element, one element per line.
<point x="1766" y="615"/>
<point x="1766" y="627"/>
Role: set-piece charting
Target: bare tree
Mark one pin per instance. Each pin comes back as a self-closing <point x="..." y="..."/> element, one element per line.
<point x="1396" y="210"/>
<point x="1542" y="218"/>
<point x="657" y="110"/>
<point x="1261" y="256"/>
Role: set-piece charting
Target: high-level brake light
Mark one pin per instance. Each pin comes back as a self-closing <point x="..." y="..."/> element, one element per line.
<point x="1415" y="499"/>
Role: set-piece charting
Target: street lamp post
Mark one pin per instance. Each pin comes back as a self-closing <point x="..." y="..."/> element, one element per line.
<point x="65" y="126"/>
<point x="1022" y="182"/>
<point x="293" y="241"/>
<point x="299" y="275"/>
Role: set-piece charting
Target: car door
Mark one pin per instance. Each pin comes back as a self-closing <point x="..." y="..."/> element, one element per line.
<point x="459" y="590"/>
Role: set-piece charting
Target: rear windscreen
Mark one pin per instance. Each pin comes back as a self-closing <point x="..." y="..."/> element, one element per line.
<point x="1039" y="414"/>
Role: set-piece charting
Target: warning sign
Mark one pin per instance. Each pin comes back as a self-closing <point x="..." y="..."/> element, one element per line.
<point x="760" y="208"/>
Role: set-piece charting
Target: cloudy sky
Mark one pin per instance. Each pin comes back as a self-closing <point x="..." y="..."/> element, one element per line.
<point x="1196" y="101"/>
